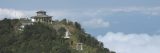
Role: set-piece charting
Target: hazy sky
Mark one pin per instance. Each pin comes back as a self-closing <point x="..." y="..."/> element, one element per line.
<point x="75" y="4"/>
<point x="117" y="23"/>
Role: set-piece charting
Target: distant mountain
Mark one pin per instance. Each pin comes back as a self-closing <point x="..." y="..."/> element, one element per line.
<point x="23" y="36"/>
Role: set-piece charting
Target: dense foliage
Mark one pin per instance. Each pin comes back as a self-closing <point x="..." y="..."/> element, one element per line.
<point x="46" y="38"/>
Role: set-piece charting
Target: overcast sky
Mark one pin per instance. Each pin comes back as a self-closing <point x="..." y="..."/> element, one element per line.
<point x="119" y="24"/>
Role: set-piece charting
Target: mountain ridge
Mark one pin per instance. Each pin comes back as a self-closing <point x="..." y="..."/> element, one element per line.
<point x="43" y="37"/>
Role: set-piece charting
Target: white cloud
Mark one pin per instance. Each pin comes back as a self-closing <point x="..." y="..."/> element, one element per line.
<point x="10" y="13"/>
<point x="88" y="17"/>
<point x="96" y="23"/>
<point x="142" y="10"/>
<point x="131" y="43"/>
<point x="83" y="12"/>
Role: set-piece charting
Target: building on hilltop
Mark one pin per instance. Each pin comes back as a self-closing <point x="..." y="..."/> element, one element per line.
<point x="41" y="17"/>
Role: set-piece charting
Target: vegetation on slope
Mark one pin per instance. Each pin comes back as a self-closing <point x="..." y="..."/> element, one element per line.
<point x="46" y="38"/>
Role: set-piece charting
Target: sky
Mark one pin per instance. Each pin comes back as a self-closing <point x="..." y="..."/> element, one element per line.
<point x="124" y="26"/>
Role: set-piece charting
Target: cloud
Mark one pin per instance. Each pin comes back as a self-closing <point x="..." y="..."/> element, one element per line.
<point x="88" y="17"/>
<point x="83" y="12"/>
<point x="96" y="23"/>
<point x="131" y="43"/>
<point x="143" y="10"/>
<point x="10" y="13"/>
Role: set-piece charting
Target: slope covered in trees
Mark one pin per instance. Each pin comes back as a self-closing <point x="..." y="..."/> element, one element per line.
<point x="46" y="38"/>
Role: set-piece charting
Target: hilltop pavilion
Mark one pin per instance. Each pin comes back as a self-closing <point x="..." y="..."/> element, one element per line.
<point x="41" y="17"/>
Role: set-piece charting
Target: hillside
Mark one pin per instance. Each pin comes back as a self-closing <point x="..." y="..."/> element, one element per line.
<point x="47" y="38"/>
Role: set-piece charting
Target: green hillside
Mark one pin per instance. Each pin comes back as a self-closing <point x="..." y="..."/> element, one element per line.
<point x="45" y="37"/>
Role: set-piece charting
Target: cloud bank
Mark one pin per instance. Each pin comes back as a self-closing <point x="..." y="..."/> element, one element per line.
<point x="96" y="23"/>
<point x="10" y="13"/>
<point x="131" y="43"/>
<point x="88" y="17"/>
<point x="83" y="12"/>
